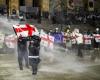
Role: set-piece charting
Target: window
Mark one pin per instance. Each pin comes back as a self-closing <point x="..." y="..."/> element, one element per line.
<point x="22" y="2"/>
<point x="91" y="4"/>
<point x="36" y="3"/>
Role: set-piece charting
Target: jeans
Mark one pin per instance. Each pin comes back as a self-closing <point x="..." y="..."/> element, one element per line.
<point x="22" y="55"/>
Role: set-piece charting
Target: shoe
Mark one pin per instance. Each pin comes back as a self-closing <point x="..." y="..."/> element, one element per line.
<point x="21" y="68"/>
<point x="34" y="73"/>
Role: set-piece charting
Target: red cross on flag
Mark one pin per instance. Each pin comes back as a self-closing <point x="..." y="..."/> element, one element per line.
<point x="46" y="40"/>
<point x="25" y="30"/>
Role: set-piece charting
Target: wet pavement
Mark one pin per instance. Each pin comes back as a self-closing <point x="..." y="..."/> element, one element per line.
<point x="71" y="71"/>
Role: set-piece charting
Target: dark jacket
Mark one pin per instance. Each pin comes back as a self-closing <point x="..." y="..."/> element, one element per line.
<point x="22" y="44"/>
<point x="34" y="46"/>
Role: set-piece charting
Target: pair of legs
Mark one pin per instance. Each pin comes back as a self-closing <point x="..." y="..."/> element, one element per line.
<point x="80" y="54"/>
<point x="22" y="55"/>
<point x="96" y="54"/>
<point x="34" y="62"/>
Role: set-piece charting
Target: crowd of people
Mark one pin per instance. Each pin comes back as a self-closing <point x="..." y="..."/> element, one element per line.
<point x="29" y="47"/>
<point x="86" y="40"/>
<point x="76" y="18"/>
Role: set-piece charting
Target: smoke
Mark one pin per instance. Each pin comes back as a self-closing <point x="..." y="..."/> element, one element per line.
<point x="57" y="60"/>
<point x="60" y="60"/>
<point x="6" y="29"/>
<point x="6" y="26"/>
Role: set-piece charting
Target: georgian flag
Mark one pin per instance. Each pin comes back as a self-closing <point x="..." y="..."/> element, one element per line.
<point x="97" y="37"/>
<point x="25" y="30"/>
<point x="46" y="40"/>
<point x="87" y="39"/>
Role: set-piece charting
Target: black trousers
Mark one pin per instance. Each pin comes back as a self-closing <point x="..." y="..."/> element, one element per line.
<point x="23" y="55"/>
<point x="95" y="54"/>
<point x="80" y="54"/>
<point x="34" y="62"/>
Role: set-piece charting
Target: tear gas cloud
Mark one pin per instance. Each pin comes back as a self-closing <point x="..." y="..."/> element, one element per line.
<point x="51" y="60"/>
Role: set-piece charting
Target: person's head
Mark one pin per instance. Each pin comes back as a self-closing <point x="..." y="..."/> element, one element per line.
<point x="97" y="29"/>
<point x="51" y="31"/>
<point x="56" y="29"/>
<point x="68" y="30"/>
<point x="76" y="30"/>
<point x="69" y="26"/>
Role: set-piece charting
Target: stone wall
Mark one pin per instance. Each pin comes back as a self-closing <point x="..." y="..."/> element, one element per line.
<point x="45" y="5"/>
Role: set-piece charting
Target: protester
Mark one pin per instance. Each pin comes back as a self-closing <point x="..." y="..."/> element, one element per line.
<point x="96" y="45"/>
<point x="73" y="39"/>
<point x="34" y="48"/>
<point x="66" y="39"/>
<point x="50" y="32"/>
<point x="79" y="40"/>
<point x="22" y="52"/>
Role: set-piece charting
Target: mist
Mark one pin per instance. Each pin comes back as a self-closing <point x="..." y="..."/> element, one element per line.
<point x="55" y="60"/>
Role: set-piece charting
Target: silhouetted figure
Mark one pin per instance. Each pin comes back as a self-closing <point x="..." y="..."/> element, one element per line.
<point x="96" y="45"/>
<point x="79" y="40"/>
<point x="34" y="48"/>
<point x="22" y="52"/>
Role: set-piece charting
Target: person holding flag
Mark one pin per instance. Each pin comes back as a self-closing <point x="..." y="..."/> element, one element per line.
<point x="66" y="37"/>
<point x="34" y="48"/>
<point x="24" y="32"/>
<point x="22" y="52"/>
<point x="79" y="40"/>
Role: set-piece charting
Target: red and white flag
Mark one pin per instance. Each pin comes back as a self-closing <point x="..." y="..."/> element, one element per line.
<point x="97" y="37"/>
<point x="87" y="39"/>
<point x="46" y="40"/>
<point x="25" y="30"/>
